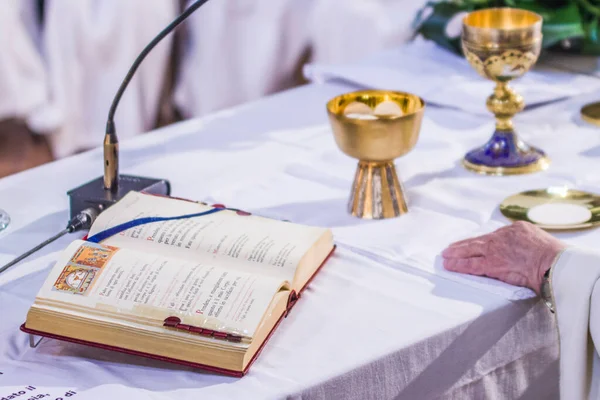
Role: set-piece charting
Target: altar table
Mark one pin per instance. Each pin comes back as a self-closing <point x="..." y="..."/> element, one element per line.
<point x="379" y="321"/>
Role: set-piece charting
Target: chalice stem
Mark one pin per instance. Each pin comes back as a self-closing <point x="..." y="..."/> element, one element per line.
<point x="505" y="103"/>
<point x="377" y="192"/>
<point x="502" y="44"/>
<point x="505" y="153"/>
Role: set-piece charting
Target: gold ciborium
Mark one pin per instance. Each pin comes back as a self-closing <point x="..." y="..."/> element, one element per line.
<point x="502" y="44"/>
<point x="376" y="127"/>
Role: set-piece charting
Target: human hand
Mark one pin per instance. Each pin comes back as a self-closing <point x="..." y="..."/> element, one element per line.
<point x="518" y="254"/>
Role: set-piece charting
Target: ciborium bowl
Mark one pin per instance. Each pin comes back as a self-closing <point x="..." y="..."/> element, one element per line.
<point x="502" y="44"/>
<point x="376" y="127"/>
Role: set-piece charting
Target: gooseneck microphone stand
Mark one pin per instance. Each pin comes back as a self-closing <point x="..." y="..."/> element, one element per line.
<point x="107" y="190"/>
<point x="90" y="199"/>
<point x="111" y="143"/>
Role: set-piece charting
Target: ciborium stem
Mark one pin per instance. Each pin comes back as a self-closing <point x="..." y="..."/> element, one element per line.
<point x="377" y="192"/>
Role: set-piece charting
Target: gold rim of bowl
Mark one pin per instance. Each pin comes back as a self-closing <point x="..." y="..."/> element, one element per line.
<point x="382" y="95"/>
<point x="498" y="27"/>
<point x="503" y="19"/>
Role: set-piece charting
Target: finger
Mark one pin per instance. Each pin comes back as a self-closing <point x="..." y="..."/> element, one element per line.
<point x="473" y="266"/>
<point x="472" y="248"/>
<point x="481" y="238"/>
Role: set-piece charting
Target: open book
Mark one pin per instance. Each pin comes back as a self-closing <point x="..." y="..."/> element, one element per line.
<point x="205" y="291"/>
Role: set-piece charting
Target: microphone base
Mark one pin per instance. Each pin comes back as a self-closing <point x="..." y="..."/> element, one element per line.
<point x="93" y="193"/>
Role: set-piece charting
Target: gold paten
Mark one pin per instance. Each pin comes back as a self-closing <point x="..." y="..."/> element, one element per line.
<point x="502" y="44"/>
<point x="591" y="113"/>
<point x="376" y="192"/>
<point x="517" y="207"/>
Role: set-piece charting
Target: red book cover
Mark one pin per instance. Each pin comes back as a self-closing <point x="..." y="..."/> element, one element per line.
<point x="291" y="302"/>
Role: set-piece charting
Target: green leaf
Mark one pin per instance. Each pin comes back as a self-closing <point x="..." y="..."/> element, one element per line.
<point x="589" y="7"/>
<point x="562" y="23"/>
<point x="559" y="23"/>
<point x="591" y="30"/>
<point x="434" y="27"/>
<point x="563" y="19"/>
<point x="590" y="48"/>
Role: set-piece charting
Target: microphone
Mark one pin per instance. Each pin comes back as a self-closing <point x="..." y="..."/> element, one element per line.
<point x="103" y="192"/>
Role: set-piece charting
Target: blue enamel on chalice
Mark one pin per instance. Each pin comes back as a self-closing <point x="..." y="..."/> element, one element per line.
<point x="502" y="44"/>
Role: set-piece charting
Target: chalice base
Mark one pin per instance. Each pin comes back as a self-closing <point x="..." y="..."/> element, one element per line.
<point x="377" y="192"/>
<point x="506" y="154"/>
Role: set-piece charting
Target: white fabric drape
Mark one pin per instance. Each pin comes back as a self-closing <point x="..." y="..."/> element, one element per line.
<point x="89" y="46"/>
<point x="350" y="30"/>
<point x="240" y="50"/>
<point x="23" y="80"/>
<point x="577" y="295"/>
<point x="237" y="51"/>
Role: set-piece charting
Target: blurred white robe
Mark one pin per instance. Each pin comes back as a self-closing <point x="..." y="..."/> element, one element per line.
<point x="240" y="50"/>
<point x="23" y="79"/>
<point x="346" y="31"/>
<point x="576" y="289"/>
<point x="89" y="46"/>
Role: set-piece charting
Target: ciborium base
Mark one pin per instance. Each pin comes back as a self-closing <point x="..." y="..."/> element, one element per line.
<point x="377" y="192"/>
<point x="506" y="154"/>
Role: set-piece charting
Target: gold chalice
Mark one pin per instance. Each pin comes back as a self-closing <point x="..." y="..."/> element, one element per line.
<point x="376" y="126"/>
<point x="503" y="44"/>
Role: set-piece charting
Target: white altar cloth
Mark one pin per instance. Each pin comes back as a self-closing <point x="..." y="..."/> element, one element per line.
<point x="444" y="78"/>
<point x="379" y="321"/>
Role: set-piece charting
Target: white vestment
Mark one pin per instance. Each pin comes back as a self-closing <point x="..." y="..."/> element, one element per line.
<point x="343" y="32"/>
<point x="576" y="291"/>
<point x="23" y="79"/>
<point x="89" y="46"/>
<point x="240" y="50"/>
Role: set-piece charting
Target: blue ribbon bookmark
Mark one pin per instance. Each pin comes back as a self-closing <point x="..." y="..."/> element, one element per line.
<point x="100" y="236"/>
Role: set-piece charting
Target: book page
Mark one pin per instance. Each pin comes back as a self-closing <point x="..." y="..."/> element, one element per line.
<point x="150" y="287"/>
<point x="249" y="243"/>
